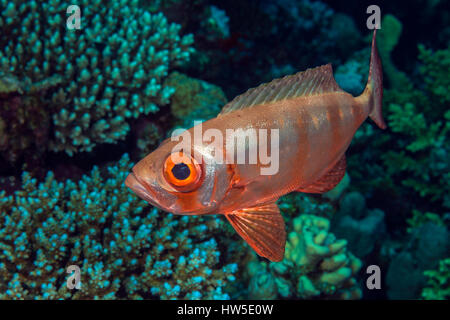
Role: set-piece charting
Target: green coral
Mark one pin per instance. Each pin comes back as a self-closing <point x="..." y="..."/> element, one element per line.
<point x="194" y="99"/>
<point x="321" y="261"/>
<point x="435" y="66"/>
<point x="387" y="39"/>
<point x="111" y="70"/>
<point x="419" y="218"/>
<point x="124" y="247"/>
<point x="415" y="164"/>
<point x="438" y="283"/>
<point x="421" y="122"/>
<point x="316" y="265"/>
<point x="352" y="75"/>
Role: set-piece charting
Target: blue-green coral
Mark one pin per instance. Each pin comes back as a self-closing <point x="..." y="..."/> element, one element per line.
<point x="124" y="247"/>
<point x="109" y="71"/>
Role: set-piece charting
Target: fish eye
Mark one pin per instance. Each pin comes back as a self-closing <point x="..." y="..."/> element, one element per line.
<point x="182" y="171"/>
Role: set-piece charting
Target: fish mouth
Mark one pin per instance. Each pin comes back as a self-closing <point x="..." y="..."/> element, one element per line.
<point x="141" y="188"/>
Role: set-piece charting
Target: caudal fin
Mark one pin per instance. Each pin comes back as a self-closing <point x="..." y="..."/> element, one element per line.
<point x="374" y="87"/>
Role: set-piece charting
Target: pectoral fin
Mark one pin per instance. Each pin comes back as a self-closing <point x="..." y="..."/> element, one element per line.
<point x="262" y="228"/>
<point x="329" y="180"/>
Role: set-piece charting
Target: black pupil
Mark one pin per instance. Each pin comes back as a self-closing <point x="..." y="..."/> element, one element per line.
<point x="181" y="171"/>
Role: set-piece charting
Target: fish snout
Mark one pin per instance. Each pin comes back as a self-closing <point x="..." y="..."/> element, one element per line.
<point x="139" y="188"/>
<point x="151" y="192"/>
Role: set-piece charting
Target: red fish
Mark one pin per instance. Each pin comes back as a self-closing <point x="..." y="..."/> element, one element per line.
<point x="316" y="121"/>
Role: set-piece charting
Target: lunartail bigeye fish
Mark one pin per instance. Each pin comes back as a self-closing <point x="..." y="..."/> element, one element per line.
<point x="315" y="121"/>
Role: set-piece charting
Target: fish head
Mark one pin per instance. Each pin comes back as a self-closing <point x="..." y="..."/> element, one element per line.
<point x="179" y="181"/>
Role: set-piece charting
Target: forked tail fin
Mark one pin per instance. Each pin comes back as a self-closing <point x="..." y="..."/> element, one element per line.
<point x="374" y="87"/>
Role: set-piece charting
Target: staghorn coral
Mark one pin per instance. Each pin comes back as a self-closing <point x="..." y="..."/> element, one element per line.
<point x="316" y="265"/>
<point x="111" y="70"/>
<point x="125" y="248"/>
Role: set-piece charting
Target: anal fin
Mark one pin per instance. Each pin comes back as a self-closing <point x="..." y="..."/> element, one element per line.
<point x="329" y="180"/>
<point x="262" y="228"/>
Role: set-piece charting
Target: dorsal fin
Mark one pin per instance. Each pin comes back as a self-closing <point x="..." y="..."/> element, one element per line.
<point x="310" y="82"/>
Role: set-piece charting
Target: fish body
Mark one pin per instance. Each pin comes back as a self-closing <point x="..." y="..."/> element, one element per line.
<point x="313" y="121"/>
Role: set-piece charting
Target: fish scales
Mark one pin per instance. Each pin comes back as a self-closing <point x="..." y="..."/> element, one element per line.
<point x="314" y="121"/>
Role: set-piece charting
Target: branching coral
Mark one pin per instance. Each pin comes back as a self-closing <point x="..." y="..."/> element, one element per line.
<point x="124" y="247"/>
<point x="110" y="70"/>
<point x="421" y="121"/>
<point x="438" y="284"/>
<point x="415" y="164"/>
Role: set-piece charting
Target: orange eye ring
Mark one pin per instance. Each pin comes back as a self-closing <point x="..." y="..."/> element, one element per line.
<point x="182" y="171"/>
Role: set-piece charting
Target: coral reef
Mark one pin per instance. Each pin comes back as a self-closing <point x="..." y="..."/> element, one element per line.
<point x="388" y="37"/>
<point x="425" y="246"/>
<point x="194" y="99"/>
<point x="128" y="77"/>
<point x="294" y="204"/>
<point x="24" y="120"/>
<point x="414" y="164"/>
<point x="438" y="282"/>
<point x="352" y="75"/>
<point x="109" y="71"/>
<point x="421" y="149"/>
<point x="316" y="265"/>
<point x="362" y="228"/>
<point x="254" y="51"/>
<point x="124" y="247"/>
<point x="216" y="24"/>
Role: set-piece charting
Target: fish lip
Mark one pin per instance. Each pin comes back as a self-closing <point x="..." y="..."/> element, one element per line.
<point x="141" y="188"/>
